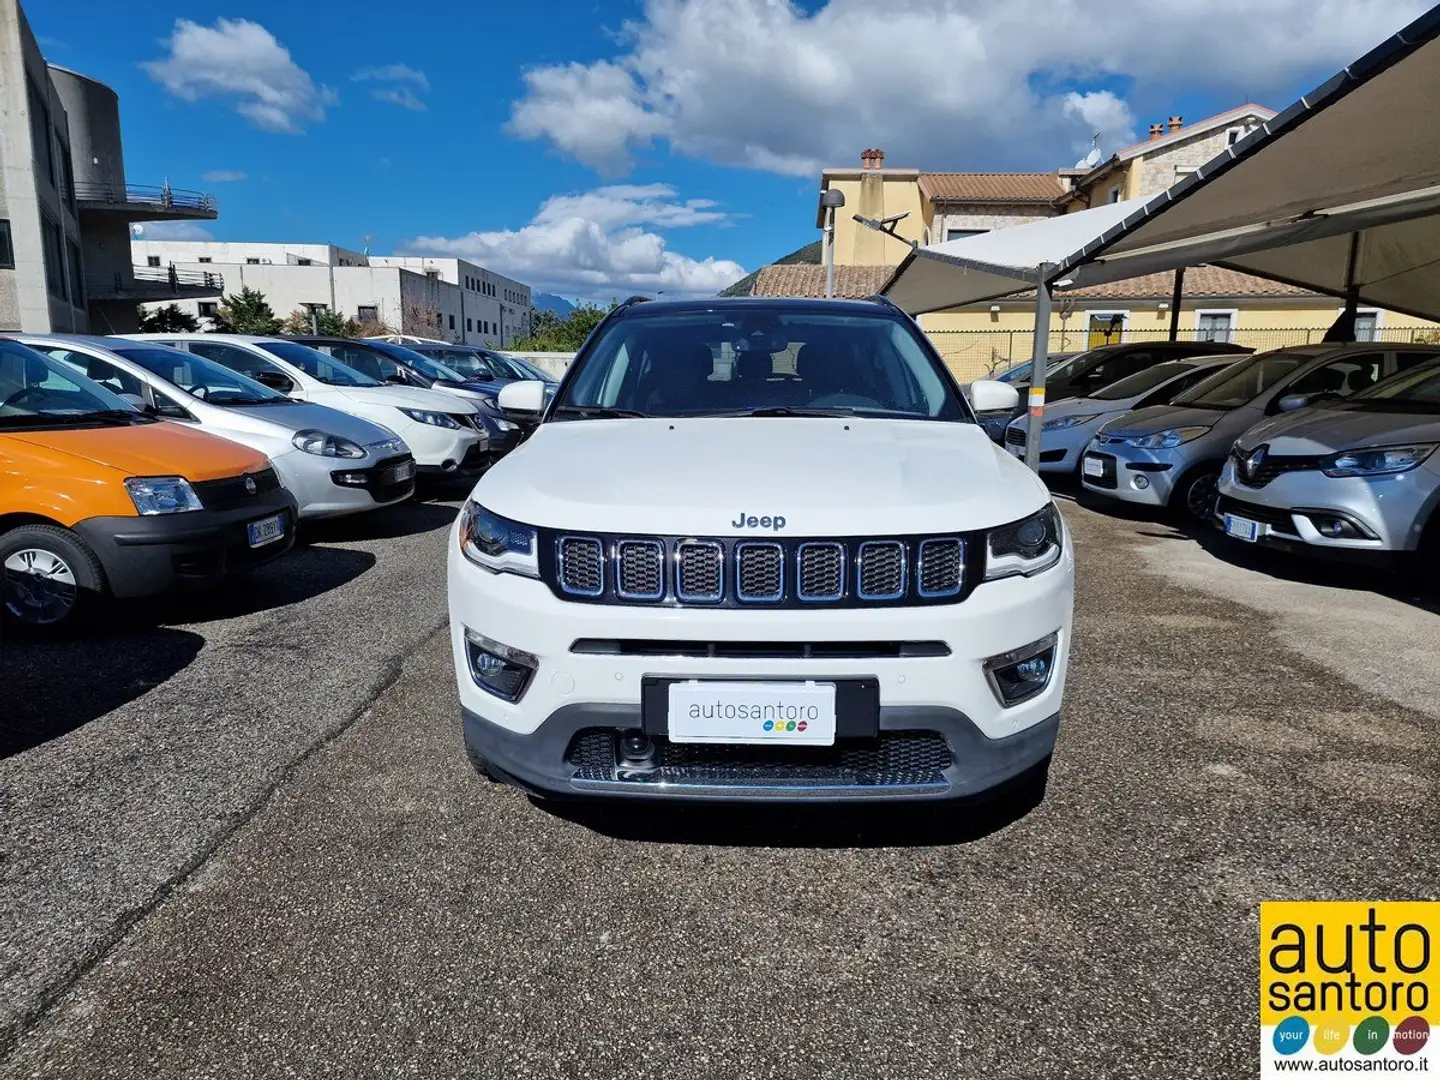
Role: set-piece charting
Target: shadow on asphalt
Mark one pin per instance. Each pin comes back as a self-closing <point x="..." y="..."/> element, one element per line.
<point x="54" y="687"/>
<point x="409" y="518"/>
<point x="791" y="826"/>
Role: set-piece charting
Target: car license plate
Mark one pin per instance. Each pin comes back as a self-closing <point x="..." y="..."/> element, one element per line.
<point x="1093" y="466"/>
<point x="266" y="530"/>
<point x="1018" y="451"/>
<point x="404" y="471"/>
<point x="752" y="712"/>
<point x="1242" y="528"/>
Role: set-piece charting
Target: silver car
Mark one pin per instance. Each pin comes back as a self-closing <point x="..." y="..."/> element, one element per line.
<point x="1070" y="424"/>
<point x="1170" y="456"/>
<point x="1342" y="479"/>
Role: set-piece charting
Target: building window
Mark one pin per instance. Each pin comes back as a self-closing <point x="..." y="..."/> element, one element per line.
<point x="204" y="259"/>
<point x="469" y="325"/>
<point x="1215" y="326"/>
<point x="1105" y="328"/>
<point x="960" y="234"/>
<point x="304" y="262"/>
<point x="77" y="278"/>
<point x="433" y="275"/>
<point x="452" y="322"/>
<point x="368" y="313"/>
<point x="54" y="258"/>
<point x="209" y="309"/>
<point x="252" y="262"/>
<point x="1366" y="324"/>
<point x="40" y="129"/>
<point x="1115" y="192"/>
<point x="7" y="247"/>
<point x="152" y="260"/>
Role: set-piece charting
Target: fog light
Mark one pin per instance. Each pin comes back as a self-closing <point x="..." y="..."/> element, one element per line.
<point x="1022" y="673"/>
<point x="1337" y="528"/>
<point x="498" y="669"/>
<point x="350" y="479"/>
<point x="1140" y="481"/>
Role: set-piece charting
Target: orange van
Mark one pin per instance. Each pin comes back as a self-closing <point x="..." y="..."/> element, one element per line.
<point x="98" y="498"/>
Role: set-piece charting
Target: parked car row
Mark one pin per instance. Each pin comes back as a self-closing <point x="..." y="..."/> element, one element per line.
<point x="131" y="464"/>
<point x="1325" y="449"/>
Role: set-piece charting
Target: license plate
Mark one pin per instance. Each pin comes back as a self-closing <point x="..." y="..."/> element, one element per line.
<point x="266" y="530"/>
<point x="1242" y="528"/>
<point x="1018" y="451"/>
<point x="752" y="712"/>
<point x="404" y="471"/>
<point x="1093" y="466"/>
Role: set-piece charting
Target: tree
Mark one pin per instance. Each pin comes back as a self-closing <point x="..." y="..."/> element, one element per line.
<point x="246" y="312"/>
<point x="167" y="320"/>
<point x="425" y="320"/>
<point x="325" y="321"/>
<point x="550" y="333"/>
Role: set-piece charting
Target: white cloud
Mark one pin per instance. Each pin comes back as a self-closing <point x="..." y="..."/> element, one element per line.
<point x="594" y="244"/>
<point x="937" y="83"/>
<point x="223" y="176"/>
<point x="173" y="230"/>
<point x="242" y="61"/>
<point x="397" y="93"/>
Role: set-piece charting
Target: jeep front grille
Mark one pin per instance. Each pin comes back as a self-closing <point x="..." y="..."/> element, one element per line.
<point x="744" y="572"/>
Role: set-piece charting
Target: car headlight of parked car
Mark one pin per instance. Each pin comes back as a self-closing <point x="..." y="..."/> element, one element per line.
<point x="1026" y="546"/>
<point x="1164" y="440"/>
<point x="389" y="446"/>
<point x="162" y="495"/>
<point x="1376" y="461"/>
<point x="434" y="419"/>
<point x="498" y="543"/>
<point x="1060" y="423"/>
<point x="323" y="444"/>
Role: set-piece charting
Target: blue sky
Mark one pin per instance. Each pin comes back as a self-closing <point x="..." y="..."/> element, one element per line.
<point x="599" y="148"/>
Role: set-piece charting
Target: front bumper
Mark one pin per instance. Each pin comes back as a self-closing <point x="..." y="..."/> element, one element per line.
<point x="1060" y="450"/>
<point x="922" y="699"/>
<point x="441" y="450"/>
<point x="143" y="556"/>
<point x="1145" y="477"/>
<point x="319" y="494"/>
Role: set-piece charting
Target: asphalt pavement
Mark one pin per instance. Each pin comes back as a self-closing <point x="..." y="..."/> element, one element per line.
<point x="249" y="845"/>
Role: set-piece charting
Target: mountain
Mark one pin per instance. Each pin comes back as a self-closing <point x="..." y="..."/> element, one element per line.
<point x="546" y="301"/>
<point x="810" y="253"/>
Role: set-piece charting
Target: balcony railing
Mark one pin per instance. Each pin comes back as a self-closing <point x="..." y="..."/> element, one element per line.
<point x="158" y="198"/>
<point x="152" y="282"/>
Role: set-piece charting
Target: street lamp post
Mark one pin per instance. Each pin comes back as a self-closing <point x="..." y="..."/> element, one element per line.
<point x="831" y="199"/>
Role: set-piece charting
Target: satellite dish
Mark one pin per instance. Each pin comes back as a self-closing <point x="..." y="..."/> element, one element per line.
<point x="1093" y="157"/>
<point x="137" y="229"/>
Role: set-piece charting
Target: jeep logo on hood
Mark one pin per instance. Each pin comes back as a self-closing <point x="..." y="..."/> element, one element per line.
<point x="750" y="521"/>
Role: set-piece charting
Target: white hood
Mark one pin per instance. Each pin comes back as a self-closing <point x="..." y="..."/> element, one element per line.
<point x="824" y="477"/>
<point x="406" y="397"/>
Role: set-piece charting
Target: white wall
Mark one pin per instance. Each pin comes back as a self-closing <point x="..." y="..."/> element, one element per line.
<point x="224" y="251"/>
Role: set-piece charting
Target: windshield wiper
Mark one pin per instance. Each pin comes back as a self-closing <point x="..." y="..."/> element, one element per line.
<point x="599" y="412"/>
<point x="786" y="410"/>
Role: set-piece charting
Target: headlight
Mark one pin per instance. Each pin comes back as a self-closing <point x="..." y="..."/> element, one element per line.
<point x="504" y="425"/>
<point x="434" y="419"/>
<point x="1024" y="547"/>
<point x="321" y="444"/>
<point x="497" y="543"/>
<point x="1377" y="461"/>
<point x="389" y="446"/>
<point x="1164" y="440"/>
<point x="162" y="495"/>
<point x="1062" y="422"/>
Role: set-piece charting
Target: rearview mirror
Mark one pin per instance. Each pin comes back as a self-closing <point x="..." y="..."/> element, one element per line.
<point x="991" y="395"/>
<point x="396" y="378"/>
<point x="522" y="400"/>
<point x="1291" y="402"/>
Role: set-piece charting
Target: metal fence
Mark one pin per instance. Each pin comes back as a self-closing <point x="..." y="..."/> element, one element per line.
<point x="974" y="354"/>
<point x="160" y="198"/>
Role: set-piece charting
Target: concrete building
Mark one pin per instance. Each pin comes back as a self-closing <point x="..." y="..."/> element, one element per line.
<point x="65" y="206"/>
<point x="449" y="299"/>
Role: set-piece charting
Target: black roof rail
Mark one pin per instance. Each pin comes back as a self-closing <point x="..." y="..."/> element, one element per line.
<point x="631" y="301"/>
<point x="879" y="298"/>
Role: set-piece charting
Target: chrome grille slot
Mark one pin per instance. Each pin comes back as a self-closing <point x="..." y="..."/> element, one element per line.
<point x="880" y="570"/>
<point x="942" y="567"/>
<point x="640" y="569"/>
<point x="700" y="571"/>
<point x="581" y="561"/>
<point x="760" y="572"/>
<point x="820" y="571"/>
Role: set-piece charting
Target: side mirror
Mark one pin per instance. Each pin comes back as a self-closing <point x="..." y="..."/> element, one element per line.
<point x="275" y="380"/>
<point x="397" y="379"/>
<point x="991" y="395"/>
<point x="1291" y="402"/>
<point x="522" y="400"/>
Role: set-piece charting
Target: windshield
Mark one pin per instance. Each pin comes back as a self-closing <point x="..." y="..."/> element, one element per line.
<point x="1232" y="387"/>
<point x="36" y="391"/>
<point x="1418" y="390"/>
<point x="469" y="363"/>
<point x="747" y="361"/>
<point x="317" y="365"/>
<point x="200" y="378"/>
<point x="427" y="367"/>
<point x="1137" y="384"/>
<point x="523" y="369"/>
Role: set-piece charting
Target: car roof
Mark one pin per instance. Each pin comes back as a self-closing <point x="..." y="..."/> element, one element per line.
<point x="638" y="306"/>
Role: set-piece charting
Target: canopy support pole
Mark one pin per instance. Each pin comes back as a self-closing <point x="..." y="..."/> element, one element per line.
<point x="1039" y="358"/>
<point x="1175" y="303"/>
<point x="1343" y="328"/>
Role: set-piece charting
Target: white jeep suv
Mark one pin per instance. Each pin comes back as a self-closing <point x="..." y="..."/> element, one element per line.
<point x="759" y="549"/>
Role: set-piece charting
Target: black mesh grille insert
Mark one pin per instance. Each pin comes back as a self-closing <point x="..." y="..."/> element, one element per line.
<point x="821" y="571"/>
<point x="232" y="492"/>
<point x="1272" y="466"/>
<point x="882" y="570"/>
<point x="894" y="759"/>
<point x="942" y="567"/>
<point x="760" y="571"/>
<point x="582" y="565"/>
<point x="641" y="569"/>
<point x="1015" y="436"/>
<point x="701" y="571"/>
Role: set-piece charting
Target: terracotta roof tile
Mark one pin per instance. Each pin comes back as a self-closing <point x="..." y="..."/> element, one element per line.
<point x="1201" y="282"/>
<point x="991" y="187"/>
<point x="801" y="279"/>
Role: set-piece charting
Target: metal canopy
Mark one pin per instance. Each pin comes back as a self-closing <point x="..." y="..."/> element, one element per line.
<point x="1340" y="193"/>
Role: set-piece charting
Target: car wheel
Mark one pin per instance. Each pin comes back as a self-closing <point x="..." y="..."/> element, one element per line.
<point x="1195" y="495"/>
<point x="48" y="576"/>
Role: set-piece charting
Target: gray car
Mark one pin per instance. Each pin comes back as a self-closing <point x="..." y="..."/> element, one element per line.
<point x="1343" y="479"/>
<point x="1070" y="424"/>
<point x="1170" y="456"/>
